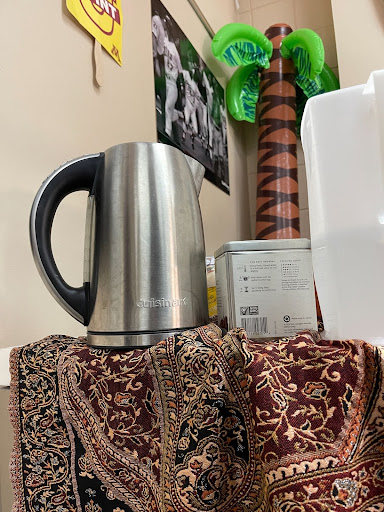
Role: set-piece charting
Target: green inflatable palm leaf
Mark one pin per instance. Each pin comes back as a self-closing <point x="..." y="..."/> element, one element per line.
<point x="238" y="44"/>
<point x="306" y="49"/>
<point x="310" y="87"/>
<point x="328" y="79"/>
<point x="326" y="82"/>
<point x="243" y="93"/>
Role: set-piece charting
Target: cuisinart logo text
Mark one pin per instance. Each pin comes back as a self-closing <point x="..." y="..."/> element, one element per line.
<point x="161" y="303"/>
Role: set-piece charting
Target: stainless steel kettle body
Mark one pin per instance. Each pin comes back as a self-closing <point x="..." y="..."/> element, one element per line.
<point x="144" y="269"/>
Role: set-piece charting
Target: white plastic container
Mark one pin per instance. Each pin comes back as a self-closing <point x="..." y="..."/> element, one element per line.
<point x="266" y="287"/>
<point x="342" y="136"/>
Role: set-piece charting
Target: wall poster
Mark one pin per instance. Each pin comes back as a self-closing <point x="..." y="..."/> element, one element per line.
<point x="104" y="20"/>
<point x="190" y="105"/>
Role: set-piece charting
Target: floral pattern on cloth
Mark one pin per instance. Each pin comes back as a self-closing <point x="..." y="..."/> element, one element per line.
<point x="200" y="422"/>
<point x="40" y="466"/>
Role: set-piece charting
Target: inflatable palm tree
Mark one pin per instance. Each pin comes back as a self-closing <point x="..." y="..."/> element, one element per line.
<point x="280" y="70"/>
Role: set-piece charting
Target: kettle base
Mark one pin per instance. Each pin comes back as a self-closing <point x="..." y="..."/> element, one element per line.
<point x="130" y="340"/>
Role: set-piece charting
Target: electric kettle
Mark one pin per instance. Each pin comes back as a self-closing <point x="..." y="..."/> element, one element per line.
<point x="144" y="262"/>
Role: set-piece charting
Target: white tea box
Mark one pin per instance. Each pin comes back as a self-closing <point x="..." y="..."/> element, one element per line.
<point x="266" y="287"/>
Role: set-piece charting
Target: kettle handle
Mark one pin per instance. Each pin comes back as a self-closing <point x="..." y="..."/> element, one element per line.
<point x="78" y="174"/>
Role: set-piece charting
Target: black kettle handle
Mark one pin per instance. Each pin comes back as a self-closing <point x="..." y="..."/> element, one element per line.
<point x="75" y="175"/>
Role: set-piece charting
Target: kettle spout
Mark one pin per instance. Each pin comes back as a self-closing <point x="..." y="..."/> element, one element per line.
<point x="197" y="171"/>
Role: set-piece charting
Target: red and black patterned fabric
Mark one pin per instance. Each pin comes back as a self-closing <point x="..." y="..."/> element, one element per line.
<point x="199" y="422"/>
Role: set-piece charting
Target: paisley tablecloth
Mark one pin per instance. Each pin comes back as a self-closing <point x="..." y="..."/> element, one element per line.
<point x="200" y="422"/>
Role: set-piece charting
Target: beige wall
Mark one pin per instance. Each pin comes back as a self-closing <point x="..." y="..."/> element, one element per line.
<point x="313" y="14"/>
<point x="359" y="30"/>
<point x="52" y="111"/>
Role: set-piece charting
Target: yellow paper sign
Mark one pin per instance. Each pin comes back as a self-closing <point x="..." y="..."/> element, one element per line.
<point x="104" y="20"/>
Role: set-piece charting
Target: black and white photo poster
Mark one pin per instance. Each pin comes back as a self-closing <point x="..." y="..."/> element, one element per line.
<point x="190" y="104"/>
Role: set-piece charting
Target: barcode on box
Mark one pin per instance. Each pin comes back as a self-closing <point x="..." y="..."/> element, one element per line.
<point x="255" y="325"/>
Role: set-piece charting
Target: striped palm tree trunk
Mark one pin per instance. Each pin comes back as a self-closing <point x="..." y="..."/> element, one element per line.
<point x="277" y="202"/>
